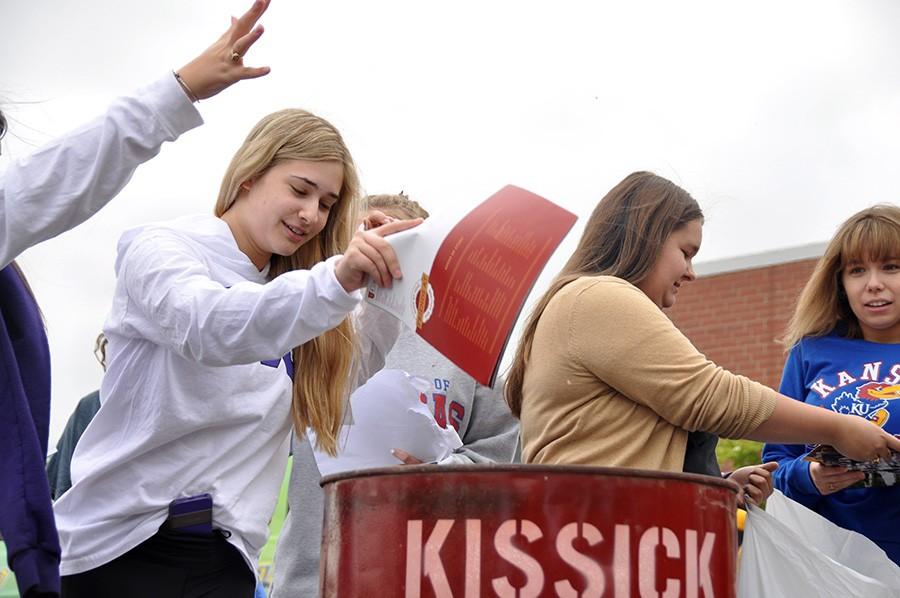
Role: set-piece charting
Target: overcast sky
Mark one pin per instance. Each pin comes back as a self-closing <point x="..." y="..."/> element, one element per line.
<point x="781" y="118"/>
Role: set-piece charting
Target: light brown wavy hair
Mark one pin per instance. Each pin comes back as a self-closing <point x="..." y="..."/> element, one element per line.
<point x="622" y="238"/>
<point x="873" y="233"/>
<point x="322" y="366"/>
<point x="399" y="202"/>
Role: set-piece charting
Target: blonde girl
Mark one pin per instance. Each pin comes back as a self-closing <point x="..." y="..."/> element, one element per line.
<point x="224" y="329"/>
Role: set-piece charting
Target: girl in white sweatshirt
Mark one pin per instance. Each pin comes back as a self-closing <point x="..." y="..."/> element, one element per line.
<point x="222" y="327"/>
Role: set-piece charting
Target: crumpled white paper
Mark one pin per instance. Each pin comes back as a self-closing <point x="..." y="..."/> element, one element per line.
<point x="387" y="414"/>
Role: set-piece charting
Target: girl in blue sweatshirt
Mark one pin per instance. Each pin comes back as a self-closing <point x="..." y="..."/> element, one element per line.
<point x="844" y="341"/>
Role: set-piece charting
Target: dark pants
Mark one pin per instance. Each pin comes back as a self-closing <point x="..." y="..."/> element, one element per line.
<point x="168" y="565"/>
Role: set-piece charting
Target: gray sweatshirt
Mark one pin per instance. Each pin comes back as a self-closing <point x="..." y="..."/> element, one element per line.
<point x="479" y="414"/>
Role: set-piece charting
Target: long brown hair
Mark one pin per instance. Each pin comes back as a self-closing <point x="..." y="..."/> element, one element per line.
<point x="322" y="366"/>
<point x="623" y="238"/>
<point x="873" y="233"/>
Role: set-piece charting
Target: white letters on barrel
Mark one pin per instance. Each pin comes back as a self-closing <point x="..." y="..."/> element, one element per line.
<point x="424" y="564"/>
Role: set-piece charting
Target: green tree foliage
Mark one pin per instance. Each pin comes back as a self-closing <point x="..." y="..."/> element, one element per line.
<point x="733" y="454"/>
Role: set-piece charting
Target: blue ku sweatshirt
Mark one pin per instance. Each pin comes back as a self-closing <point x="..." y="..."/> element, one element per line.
<point x="855" y="377"/>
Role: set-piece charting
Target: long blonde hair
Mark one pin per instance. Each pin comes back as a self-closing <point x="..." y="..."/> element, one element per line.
<point x="873" y="233"/>
<point x="623" y="238"/>
<point x="322" y="366"/>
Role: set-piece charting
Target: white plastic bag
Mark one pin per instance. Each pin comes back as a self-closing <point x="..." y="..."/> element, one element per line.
<point x="793" y="552"/>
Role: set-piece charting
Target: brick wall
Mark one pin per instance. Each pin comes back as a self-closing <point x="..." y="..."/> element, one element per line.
<point x="735" y="318"/>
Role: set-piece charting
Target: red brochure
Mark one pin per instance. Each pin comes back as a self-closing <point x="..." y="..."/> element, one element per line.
<point x="464" y="283"/>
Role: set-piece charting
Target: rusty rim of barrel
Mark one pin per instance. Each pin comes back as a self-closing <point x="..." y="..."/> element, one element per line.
<point x="589" y="470"/>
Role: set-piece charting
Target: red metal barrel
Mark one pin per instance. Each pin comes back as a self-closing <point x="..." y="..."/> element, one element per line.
<point x="526" y="530"/>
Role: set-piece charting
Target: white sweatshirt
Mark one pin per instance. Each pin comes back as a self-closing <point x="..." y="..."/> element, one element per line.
<point x="186" y="405"/>
<point x="68" y="180"/>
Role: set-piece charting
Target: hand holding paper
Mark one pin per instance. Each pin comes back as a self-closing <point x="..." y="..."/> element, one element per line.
<point x="369" y="258"/>
<point x="831" y="471"/>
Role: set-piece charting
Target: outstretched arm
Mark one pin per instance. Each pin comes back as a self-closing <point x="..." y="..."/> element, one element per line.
<point x="68" y="180"/>
<point x="793" y="421"/>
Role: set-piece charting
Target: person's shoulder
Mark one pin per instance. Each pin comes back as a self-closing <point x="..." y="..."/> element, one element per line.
<point x="597" y="304"/>
<point x="87" y="408"/>
<point x="596" y="284"/>
<point x="185" y="234"/>
<point x="606" y="289"/>
<point x="837" y="342"/>
<point x="89" y="402"/>
<point x="829" y="346"/>
<point x="199" y="229"/>
<point x="828" y="341"/>
<point x="192" y="226"/>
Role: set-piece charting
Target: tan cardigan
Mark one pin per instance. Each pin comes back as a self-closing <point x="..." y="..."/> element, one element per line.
<point x="611" y="381"/>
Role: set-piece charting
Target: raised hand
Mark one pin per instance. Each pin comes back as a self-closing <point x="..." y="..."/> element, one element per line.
<point x="370" y="255"/>
<point x="222" y="64"/>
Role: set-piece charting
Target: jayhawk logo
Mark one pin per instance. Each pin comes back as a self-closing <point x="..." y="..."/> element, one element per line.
<point x="870" y="402"/>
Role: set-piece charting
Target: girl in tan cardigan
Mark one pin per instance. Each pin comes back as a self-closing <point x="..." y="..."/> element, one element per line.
<point x="601" y="376"/>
